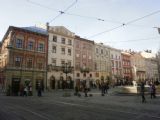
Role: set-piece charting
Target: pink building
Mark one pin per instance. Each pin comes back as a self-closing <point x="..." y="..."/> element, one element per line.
<point x="83" y="60"/>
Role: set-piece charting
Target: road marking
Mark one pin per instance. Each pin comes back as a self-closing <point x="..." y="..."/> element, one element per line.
<point x="133" y="113"/>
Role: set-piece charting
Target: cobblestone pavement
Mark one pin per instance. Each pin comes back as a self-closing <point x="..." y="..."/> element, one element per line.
<point x="53" y="106"/>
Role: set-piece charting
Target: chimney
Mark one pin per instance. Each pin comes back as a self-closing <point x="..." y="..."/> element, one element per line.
<point x="47" y="26"/>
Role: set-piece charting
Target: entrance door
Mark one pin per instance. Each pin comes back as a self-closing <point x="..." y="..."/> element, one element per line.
<point x="15" y="86"/>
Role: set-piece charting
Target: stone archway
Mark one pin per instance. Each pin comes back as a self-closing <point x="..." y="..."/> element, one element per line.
<point x="52" y="82"/>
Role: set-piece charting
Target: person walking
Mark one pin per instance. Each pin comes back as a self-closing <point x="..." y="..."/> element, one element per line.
<point x="142" y="87"/>
<point x="103" y="88"/>
<point x="154" y="90"/>
<point x="26" y="91"/>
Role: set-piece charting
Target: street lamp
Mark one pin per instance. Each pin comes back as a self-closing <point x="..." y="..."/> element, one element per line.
<point x="66" y="69"/>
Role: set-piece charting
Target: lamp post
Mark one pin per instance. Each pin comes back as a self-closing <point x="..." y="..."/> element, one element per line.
<point x="66" y="69"/>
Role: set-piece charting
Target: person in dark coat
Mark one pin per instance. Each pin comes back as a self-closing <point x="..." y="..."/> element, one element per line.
<point x="142" y="90"/>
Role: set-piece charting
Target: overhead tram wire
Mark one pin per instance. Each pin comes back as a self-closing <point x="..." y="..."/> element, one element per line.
<point x="62" y="12"/>
<point x="73" y="14"/>
<point x="133" y="40"/>
<point x="83" y="16"/>
<point x="43" y="6"/>
<point x="124" y="24"/>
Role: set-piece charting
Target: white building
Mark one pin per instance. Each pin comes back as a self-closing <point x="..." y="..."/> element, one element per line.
<point x="60" y="58"/>
<point x="116" y="64"/>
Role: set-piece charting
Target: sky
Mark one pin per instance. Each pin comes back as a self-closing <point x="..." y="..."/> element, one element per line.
<point x="137" y="36"/>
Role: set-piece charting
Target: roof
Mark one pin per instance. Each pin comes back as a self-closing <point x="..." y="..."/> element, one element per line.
<point x="36" y="30"/>
<point x="29" y="29"/>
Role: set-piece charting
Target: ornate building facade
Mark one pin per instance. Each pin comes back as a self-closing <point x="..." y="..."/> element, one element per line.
<point x="102" y="64"/>
<point x="116" y="64"/>
<point x="24" y="56"/>
<point x="83" y="58"/>
<point x="126" y="64"/>
<point x="60" y="58"/>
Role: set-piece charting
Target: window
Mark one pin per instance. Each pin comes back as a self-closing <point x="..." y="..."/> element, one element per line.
<point x="30" y="45"/>
<point x="116" y="64"/>
<point x="62" y="63"/>
<point x="63" y="50"/>
<point x="63" y="40"/>
<point x="69" y="63"/>
<point x="107" y="53"/>
<point x="69" y="52"/>
<point x="39" y="65"/>
<point x="112" y="56"/>
<point x="96" y="50"/>
<point x="84" y="56"/>
<point x="29" y="63"/>
<point x="17" y="61"/>
<point x="101" y="51"/>
<point x="78" y="75"/>
<point x="95" y="66"/>
<point x="78" y="65"/>
<point x="41" y="47"/>
<point x="112" y="63"/>
<point x="53" y="61"/>
<point x="54" y="38"/>
<point x="69" y="42"/>
<point x="120" y="64"/>
<point x="19" y="43"/>
<point x="53" y="49"/>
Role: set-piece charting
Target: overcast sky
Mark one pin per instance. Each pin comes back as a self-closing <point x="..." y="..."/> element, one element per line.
<point x="137" y="36"/>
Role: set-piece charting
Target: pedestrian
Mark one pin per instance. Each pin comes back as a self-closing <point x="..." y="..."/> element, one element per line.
<point x="85" y="91"/>
<point x="142" y="87"/>
<point x="154" y="91"/>
<point x="30" y="91"/>
<point x="151" y="90"/>
<point x="25" y="91"/>
<point x="39" y="91"/>
<point x="103" y="88"/>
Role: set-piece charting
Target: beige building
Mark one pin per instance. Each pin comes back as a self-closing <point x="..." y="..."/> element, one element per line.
<point x="151" y="65"/>
<point x="60" y="57"/>
<point x="102" y="62"/>
<point x="138" y="66"/>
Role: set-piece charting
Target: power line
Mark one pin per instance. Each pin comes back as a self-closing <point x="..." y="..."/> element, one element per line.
<point x="72" y="14"/>
<point x="134" y="40"/>
<point x="40" y="5"/>
<point x="124" y="24"/>
<point x="62" y="12"/>
<point x="90" y="17"/>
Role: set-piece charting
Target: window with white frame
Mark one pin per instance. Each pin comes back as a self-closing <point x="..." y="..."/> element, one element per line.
<point x="69" y="52"/>
<point x="63" y="40"/>
<point x="62" y="50"/>
<point x="53" y="61"/>
<point x="69" y="42"/>
<point x="19" y="43"/>
<point x="29" y="63"/>
<point x="18" y="61"/>
<point x="62" y="62"/>
<point x="41" y="47"/>
<point x="54" y="38"/>
<point x="54" y="48"/>
<point x="30" y="45"/>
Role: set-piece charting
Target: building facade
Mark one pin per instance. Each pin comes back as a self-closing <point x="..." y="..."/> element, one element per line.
<point x="151" y="64"/>
<point x="126" y="67"/>
<point x="116" y="65"/>
<point x="138" y="67"/>
<point x="83" y="58"/>
<point x="60" y="58"/>
<point x="102" y="64"/>
<point x="24" y="56"/>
